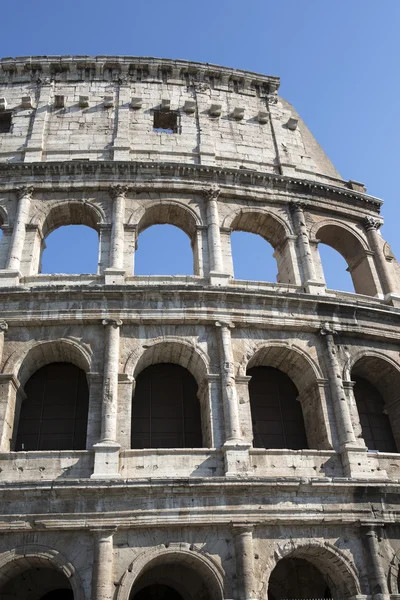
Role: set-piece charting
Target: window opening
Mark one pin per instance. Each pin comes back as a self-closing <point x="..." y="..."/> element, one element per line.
<point x="71" y="249"/>
<point x="55" y="411"/>
<point x="252" y="257"/>
<point x="165" y="121"/>
<point x="165" y="409"/>
<point x="5" y="122"/>
<point x="163" y="250"/>
<point x="376" y="429"/>
<point x="336" y="270"/>
<point x="276" y="414"/>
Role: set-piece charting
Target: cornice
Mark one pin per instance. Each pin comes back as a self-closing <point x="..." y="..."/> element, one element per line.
<point x="132" y="68"/>
<point x="141" y="176"/>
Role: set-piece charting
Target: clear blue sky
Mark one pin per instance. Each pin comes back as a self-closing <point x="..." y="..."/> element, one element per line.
<point x="339" y="62"/>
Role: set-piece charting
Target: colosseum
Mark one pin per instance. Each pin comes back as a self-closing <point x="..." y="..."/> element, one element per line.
<point x="192" y="437"/>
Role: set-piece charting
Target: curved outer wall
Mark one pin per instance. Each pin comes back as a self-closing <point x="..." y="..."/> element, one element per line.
<point x="81" y="149"/>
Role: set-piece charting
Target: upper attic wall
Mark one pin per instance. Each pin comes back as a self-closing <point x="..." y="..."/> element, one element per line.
<point x="82" y="108"/>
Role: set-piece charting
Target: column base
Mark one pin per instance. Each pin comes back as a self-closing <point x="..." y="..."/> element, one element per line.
<point x="393" y="300"/>
<point x="219" y="279"/>
<point x="315" y="287"/>
<point x="358" y="463"/>
<point x="106" y="461"/>
<point x="9" y="277"/>
<point x="236" y="458"/>
<point x="114" y="276"/>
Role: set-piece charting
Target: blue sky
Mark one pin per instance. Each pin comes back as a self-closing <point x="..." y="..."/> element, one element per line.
<point x="338" y="62"/>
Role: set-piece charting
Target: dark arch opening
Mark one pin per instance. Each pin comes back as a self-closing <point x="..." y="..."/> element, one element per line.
<point x="252" y="257"/>
<point x="54" y="413"/>
<point x="294" y="578"/>
<point x="165" y="409"/>
<point x="157" y="591"/>
<point x="375" y="424"/>
<point x="164" y="250"/>
<point x="71" y="249"/>
<point x="38" y="582"/>
<point x="276" y="414"/>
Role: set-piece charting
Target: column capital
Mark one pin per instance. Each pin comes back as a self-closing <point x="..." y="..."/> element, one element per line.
<point x="211" y="193"/>
<point x="327" y="329"/>
<point x="24" y="192"/>
<point x="239" y="528"/>
<point x="103" y="530"/>
<point x="298" y="204"/>
<point x="227" y="324"/>
<point x="116" y="191"/>
<point x="113" y="322"/>
<point x="3" y="325"/>
<point x="371" y="223"/>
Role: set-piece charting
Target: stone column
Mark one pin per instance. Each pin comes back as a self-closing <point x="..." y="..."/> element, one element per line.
<point x="243" y="539"/>
<point x="3" y="329"/>
<point x="339" y="399"/>
<point x="107" y="450"/>
<point x="18" y="237"/>
<point x="236" y="450"/>
<point x="310" y="282"/>
<point x="376" y="573"/>
<point x="102" y="575"/>
<point x="385" y="275"/>
<point x="217" y="275"/>
<point x="115" y="273"/>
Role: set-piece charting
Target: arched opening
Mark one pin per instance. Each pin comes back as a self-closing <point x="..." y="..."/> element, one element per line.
<point x="277" y="417"/>
<point x="295" y="578"/>
<point x="376" y="392"/>
<point x="37" y="583"/>
<point x="171" y="580"/>
<point x="336" y="271"/>
<point x="54" y="413"/>
<point x="273" y="232"/>
<point x="71" y="249"/>
<point x="353" y="252"/>
<point x="253" y="257"/>
<point x="164" y="250"/>
<point x="166" y="409"/>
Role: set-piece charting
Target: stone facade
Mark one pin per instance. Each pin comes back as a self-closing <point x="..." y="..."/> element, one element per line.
<point x="218" y="521"/>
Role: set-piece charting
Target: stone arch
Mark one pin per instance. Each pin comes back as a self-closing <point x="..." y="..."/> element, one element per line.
<point x="383" y="373"/>
<point x="184" y="554"/>
<point x="306" y="376"/>
<point x="334" y="564"/>
<point x="394" y="574"/>
<point x="42" y="353"/>
<point x="3" y="217"/>
<point x="15" y="561"/>
<point x="274" y="230"/>
<point x="354" y="249"/>
<point x="169" y="349"/>
<point x="68" y="212"/>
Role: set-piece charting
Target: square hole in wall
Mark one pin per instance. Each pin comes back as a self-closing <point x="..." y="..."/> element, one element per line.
<point x="5" y="122"/>
<point x="165" y="121"/>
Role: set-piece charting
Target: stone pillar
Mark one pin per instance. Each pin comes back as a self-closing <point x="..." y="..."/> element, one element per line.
<point x="107" y="450"/>
<point x="24" y="196"/>
<point x="310" y="282"/>
<point x="376" y="573"/>
<point x="3" y="329"/>
<point x="217" y="275"/>
<point x="236" y="450"/>
<point x="384" y="272"/>
<point x="115" y="273"/>
<point x="102" y="574"/>
<point x="35" y="144"/>
<point x="243" y="539"/>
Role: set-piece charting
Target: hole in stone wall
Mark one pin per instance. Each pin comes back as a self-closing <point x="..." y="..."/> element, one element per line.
<point x="163" y="250"/>
<point x="5" y="122"/>
<point x="337" y="276"/>
<point x="165" y="121"/>
<point x="252" y="257"/>
<point x="71" y="249"/>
